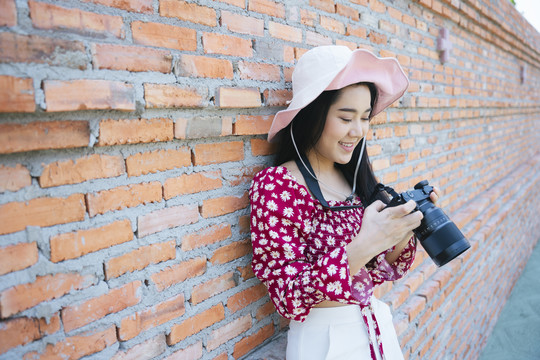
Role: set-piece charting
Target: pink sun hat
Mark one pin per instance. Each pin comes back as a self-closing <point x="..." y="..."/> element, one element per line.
<point x="334" y="67"/>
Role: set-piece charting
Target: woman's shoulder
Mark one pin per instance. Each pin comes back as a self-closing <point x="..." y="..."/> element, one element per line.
<point x="278" y="178"/>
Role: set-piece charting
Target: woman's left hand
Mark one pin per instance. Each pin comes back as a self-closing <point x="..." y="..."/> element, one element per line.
<point x="435" y="195"/>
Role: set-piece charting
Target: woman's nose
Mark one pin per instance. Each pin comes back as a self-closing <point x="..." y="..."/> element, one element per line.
<point x="358" y="129"/>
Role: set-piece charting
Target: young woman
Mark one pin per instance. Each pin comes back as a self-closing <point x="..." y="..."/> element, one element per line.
<point x="322" y="237"/>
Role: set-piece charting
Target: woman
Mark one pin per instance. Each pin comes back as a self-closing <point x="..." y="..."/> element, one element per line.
<point x="321" y="241"/>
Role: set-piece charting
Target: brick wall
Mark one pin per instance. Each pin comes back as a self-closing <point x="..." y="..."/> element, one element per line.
<point x="130" y="131"/>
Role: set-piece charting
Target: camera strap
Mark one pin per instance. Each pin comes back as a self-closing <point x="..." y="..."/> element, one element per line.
<point x="381" y="187"/>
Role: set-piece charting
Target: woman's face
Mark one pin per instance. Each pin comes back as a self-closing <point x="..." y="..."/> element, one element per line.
<point x="347" y="123"/>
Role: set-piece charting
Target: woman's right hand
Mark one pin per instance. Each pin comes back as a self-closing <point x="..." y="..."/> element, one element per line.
<point x="382" y="228"/>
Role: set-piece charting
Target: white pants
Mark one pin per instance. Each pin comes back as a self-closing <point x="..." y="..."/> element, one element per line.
<point x="339" y="333"/>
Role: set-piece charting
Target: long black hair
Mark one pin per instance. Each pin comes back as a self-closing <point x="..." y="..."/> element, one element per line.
<point x="308" y="126"/>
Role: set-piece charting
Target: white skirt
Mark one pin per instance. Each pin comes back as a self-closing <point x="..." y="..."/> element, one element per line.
<point x="339" y="333"/>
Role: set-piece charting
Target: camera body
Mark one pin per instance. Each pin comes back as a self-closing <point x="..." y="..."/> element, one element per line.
<point x="439" y="236"/>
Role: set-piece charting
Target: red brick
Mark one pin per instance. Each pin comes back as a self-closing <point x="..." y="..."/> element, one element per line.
<point x="172" y="96"/>
<point x="333" y="25"/>
<point x="188" y="12"/>
<point x="204" y="66"/>
<point x="81" y="170"/>
<point x="248" y="343"/>
<point x="233" y="97"/>
<point x="140" y="6"/>
<point x="243" y="175"/>
<point x="215" y="153"/>
<point x="377" y="38"/>
<point x="195" y="324"/>
<point x="189" y="353"/>
<point x="42" y="50"/>
<point x="133" y="325"/>
<point x="24" y="330"/>
<point x="252" y="124"/>
<point x="261" y="147"/>
<point x="159" y="160"/>
<point x="123" y="197"/>
<point x="212" y="287"/>
<point x="179" y="272"/>
<point x="202" y="127"/>
<point x="115" y="300"/>
<point x="45" y="288"/>
<point x="277" y="97"/>
<point x="163" y="35"/>
<point x="414" y="306"/>
<point x="207" y="236"/>
<point x="228" y="332"/>
<point x="43" y="136"/>
<point x="238" y="3"/>
<point x="16" y="216"/>
<point x="131" y="58"/>
<point x="191" y="183"/>
<point x="347" y="11"/>
<point x="74" y="95"/>
<point x="231" y="252"/>
<point x="17" y="257"/>
<point x="259" y="71"/>
<point x="265" y="310"/>
<point x="51" y="17"/>
<point x="285" y="32"/>
<point x="132" y="131"/>
<point x="8" y="15"/>
<point x="267" y="7"/>
<point x="16" y="94"/>
<point x="307" y="17"/>
<point x="242" y="299"/>
<point x="167" y="218"/>
<point x="242" y="24"/>
<point x="223" y="205"/>
<point x="140" y="258"/>
<point x="357" y="31"/>
<point x="14" y="178"/>
<point x="78" y="243"/>
<point x="78" y="346"/>
<point x="226" y="45"/>
<point x="147" y="350"/>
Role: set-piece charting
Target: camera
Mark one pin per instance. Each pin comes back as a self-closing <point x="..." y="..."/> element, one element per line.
<point x="439" y="236"/>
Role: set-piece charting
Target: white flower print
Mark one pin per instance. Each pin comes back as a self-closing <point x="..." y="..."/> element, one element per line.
<point x="334" y="287"/>
<point x="334" y="254"/>
<point x="271" y="205"/>
<point x="269" y="187"/>
<point x="273" y="234"/>
<point x="273" y="221"/>
<point x="290" y="270"/>
<point x="285" y="196"/>
<point x="332" y="270"/>
<point x="288" y="212"/>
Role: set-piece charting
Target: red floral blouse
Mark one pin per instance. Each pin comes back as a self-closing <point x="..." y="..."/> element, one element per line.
<point x="299" y="248"/>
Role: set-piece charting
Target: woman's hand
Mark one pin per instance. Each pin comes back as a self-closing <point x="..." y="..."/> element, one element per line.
<point x="435" y="195"/>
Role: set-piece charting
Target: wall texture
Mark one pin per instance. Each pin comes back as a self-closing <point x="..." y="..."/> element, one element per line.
<point x="130" y="131"/>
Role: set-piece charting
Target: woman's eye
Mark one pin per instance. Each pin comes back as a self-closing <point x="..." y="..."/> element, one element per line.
<point x="366" y="119"/>
<point x="347" y="120"/>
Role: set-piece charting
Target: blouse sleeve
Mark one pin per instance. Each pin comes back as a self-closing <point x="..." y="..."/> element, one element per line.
<point x="381" y="270"/>
<point x="280" y="226"/>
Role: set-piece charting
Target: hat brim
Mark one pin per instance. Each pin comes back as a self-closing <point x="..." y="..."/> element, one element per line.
<point x="363" y="66"/>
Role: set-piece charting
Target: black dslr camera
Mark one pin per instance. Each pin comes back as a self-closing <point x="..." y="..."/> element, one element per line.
<point x="439" y="236"/>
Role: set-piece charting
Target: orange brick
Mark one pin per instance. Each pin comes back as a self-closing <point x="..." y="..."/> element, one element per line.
<point x="51" y="17"/>
<point x="242" y="299"/>
<point x="45" y="288"/>
<point x="226" y="45"/>
<point x="191" y="352"/>
<point x="81" y="170"/>
<point x="267" y="7"/>
<point x="259" y="71"/>
<point x="277" y="97"/>
<point x="42" y="50"/>
<point x="214" y="153"/>
<point x="148" y="349"/>
<point x="223" y="205"/>
<point x="195" y="324"/>
<point x="252" y="124"/>
<point x="233" y="97"/>
<point x="414" y="306"/>
<point x="238" y="3"/>
<point x="333" y="25"/>
<point x="17" y="257"/>
<point x="231" y="252"/>
<point x="140" y="258"/>
<point x="261" y="147"/>
<point x="246" y="272"/>
<point x="228" y="332"/>
<point x="16" y="94"/>
<point x="43" y="135"/>
<point x="24" y="330"/>
<point x="316" y="39"/>
<point x="357" y="31"/>
<point x="204" y="66"/>
<point x="347" y="11"/>
<point x="78" y="346"/>
<point x="131" y="58"/>
<point x="285" y="32"/>
<point x="244" y="175"/>
<point x="242" y="24"/>
<point x="8" y="16"/>
<point x="178" y="273"/>
<point x="163" y="35"/>
<point x="325" y="5"/>
<point x="159" y="160"/>
<point x="191" y="183"/>
<point x="78" y="243"/>
<point x="167" y="218"/>
<point x="76" y="316"/>
<point x="14" y="178"/>
<point x="209" y="235"/>
<point x="16" y="216"/>
<point x="132" y="131"/>
<point x="188" y="12"/>
<point x="202" y="127"/>
<point x="377" y="38"/>
<point x="212" y="287"/>
<point x="248" y="343"/>
<point x="265" y="310"/>
<point x="307" y="17"/>
<point x="140" y="6"/>
<point x="123" y="197"/>
<point x="172" y="96"/>
<point x="133" y="325"/>
<point x="74" y="95"/>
